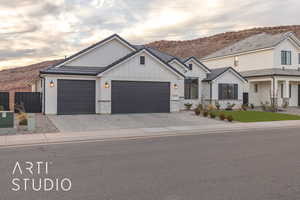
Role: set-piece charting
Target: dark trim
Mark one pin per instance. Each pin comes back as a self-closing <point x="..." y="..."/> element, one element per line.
<point x="270" y="75"/>
<point x="69" y="73"/>
<point x="44" y="93"/>
<point x="210" y="91"/>
<point x="223" y="73"/>
<point x="136" y="52"/>
<point x="179" y="62"/>
<point x="94" y="45"/>
<point x="198" y="61"/>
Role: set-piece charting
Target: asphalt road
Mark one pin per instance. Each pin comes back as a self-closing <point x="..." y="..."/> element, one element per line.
<point x="243" y="165"/>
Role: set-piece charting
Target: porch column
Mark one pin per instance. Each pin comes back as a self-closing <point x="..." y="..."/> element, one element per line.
<point x="286" y="93"/>
<point x="274" y="88"/>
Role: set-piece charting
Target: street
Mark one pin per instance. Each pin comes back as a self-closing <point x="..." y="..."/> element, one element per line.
<point x="242" y="165"/>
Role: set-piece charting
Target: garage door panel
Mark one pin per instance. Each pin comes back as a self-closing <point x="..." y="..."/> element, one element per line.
<point x="140" y="97"/>
<point x="75" y="96"/>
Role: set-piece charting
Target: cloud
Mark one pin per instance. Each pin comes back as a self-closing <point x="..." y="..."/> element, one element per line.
<point x="33" y="30"/>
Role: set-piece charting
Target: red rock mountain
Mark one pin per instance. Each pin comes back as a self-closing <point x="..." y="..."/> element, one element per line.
<point x="18" y="79"/>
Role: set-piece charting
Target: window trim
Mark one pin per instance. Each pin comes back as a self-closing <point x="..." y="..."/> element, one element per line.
<point x="235" y="91"/>
<point x="286" y="57"/>
<point x="255" y="88"/>
<point x="142" y="60"/>
<point x="188" y="88"/>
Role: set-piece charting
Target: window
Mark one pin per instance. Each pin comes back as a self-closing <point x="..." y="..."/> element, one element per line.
<point x="281" y="90"/>
<point x="286" y="57"/>
<point x="191" y="88"/>
<point x="256" y="88"/>
<point x="290" y="90"/>
<point x="298" y="58"/>
<point x="142" y="60"/>
<point x="228" y="91"/>
<point x="190" y="66"/>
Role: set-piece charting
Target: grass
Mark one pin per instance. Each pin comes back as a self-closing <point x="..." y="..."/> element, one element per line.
<point x="257" y="116"/>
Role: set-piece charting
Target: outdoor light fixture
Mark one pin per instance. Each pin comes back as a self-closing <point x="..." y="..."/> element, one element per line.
<point x="175" y="86"/>
<point x="51" y="84"/>
<point x="106" y="85"/>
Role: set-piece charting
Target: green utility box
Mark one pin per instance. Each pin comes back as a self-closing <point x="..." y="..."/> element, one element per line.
<point x="6" y="119"/>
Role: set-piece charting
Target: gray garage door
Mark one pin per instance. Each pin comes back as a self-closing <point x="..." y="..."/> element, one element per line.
<point x="75" y="97"/>
<point x="140" y="97"/>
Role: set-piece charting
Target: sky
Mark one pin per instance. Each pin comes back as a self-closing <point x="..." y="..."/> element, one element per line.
<point x="37" y="30"/>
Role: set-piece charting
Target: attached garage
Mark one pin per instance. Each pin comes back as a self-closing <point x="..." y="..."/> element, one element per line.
<point x="140" y="97"/>
<point x="75" y="97"/>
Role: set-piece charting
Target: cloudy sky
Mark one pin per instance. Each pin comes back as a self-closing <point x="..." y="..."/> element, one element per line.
<point x="37" y="30"/>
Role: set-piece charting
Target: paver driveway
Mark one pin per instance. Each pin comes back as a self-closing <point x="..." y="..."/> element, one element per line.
<point x="73" y="123"/>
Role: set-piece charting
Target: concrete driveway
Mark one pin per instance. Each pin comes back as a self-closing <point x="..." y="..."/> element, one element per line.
<point x="74" y="123"/>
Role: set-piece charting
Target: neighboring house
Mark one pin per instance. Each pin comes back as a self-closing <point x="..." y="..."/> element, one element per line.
<point x="114" y="76"/>
<point x="270" y="63"/>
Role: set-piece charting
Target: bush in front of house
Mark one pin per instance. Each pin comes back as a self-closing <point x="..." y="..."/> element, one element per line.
<point x="212" y="115"/>
<point x="252" y="106"/>
<point x="205" y="113"/>
<point x="222" y="116"/>
<point x="230" y="106"/>
<point x="197" y="111"/>
<point x="188" y="106"/>
<point x="23" y="122"/>
<point x="230" y="118"/>
<point x="218" y="105"/>
<point x="244" y="107"/>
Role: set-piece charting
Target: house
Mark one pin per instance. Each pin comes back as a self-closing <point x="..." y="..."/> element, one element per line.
<point x="270" y="63"/>
<point x="114" y="76"/>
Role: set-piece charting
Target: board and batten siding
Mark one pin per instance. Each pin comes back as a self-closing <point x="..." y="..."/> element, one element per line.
<point x="132" y="70"/>
<point x="286" y="45"/>
<point x="103" y="55"/>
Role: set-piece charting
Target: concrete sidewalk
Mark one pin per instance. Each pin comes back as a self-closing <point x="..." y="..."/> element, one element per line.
<point x="48" y="138"/>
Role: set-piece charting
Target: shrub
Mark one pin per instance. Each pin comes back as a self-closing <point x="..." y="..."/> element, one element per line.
<point x="200" y="107"/>
<point x="188" y="106"/>
<point x="285" y="104"/>
<point x="210" y="107"/>
<point x="230" y="106"/>
<point x="205" y="113"/>
<point x="218" y="105"/>
<point x="244" y="107"/>
<point x="197" y="111"/>
<point x="222" y="116"/>
<point x="230" y="118"/>
<point x="252" y="106"/>
<point x="1" y="108"/>
<point x="212" y="115"/>
<point x="23" y="122"/>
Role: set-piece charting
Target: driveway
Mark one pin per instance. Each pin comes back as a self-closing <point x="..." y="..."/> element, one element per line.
<point x="74" y="123"/>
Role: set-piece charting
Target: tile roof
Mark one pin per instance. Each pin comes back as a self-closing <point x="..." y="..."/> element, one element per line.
<point x="255" y="42"/>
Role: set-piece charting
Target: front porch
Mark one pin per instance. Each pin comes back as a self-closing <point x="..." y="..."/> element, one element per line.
<point x="284" y="91"/>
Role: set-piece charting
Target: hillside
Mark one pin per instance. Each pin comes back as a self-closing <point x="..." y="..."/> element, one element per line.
<point x="19" y="78"/>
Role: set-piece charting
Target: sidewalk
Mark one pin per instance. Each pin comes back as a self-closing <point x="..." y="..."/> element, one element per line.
<point x="48" y="138"/>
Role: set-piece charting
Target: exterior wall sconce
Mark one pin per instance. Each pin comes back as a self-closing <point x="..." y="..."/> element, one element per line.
<point x="175" y="86"/>
<point x="106" y="85"/>
<point x="51" y="84"/>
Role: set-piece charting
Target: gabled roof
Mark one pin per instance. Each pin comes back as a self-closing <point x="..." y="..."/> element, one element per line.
<point x="179" y="61"/>
<point x="271" y="72"/>
<point x="197" y="61"/>
<point x="94" y="46"/>
<point x="252" y="43"/>
<point x="215" y="73"/>
<point x="136" y="52"/>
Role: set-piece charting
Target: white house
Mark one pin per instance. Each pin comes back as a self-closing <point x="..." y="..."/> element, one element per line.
<point x="114" y="76"/>
<point x="270" y="63"/>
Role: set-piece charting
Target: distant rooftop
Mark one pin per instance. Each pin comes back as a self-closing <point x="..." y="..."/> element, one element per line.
<point x="255" y="42"/>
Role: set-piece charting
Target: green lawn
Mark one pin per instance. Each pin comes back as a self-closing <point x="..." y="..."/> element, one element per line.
<point x="258" y="116"/>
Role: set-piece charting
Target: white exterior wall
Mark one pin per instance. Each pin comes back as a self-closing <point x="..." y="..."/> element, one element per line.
<point x="131" y="70"/>
<point x="263" y="92"/>
<point x="179" y="67"/>
<point x="51" y="93"/>
<point x="286" y="45"/>
<point x="103" y="55"/>
<point x="249" y="61"/>
<point x="229" y="78"/>
<point x="196" y="72"/>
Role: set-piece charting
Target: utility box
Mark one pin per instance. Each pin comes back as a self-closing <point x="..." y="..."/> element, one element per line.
<point x="6" y="119"/>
